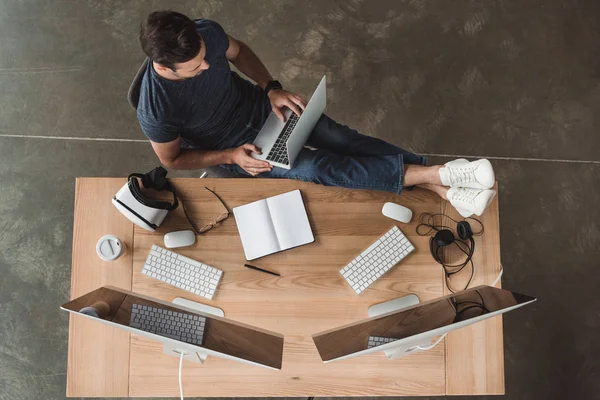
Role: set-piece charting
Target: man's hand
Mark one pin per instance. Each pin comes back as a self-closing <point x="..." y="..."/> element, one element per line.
<point x="281" y="98"/>
<point x="241" y="156"/>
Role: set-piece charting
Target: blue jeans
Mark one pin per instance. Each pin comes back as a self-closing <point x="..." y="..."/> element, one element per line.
<point x="343" y="157"/>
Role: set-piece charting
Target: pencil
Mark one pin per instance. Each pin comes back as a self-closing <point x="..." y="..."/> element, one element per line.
<point x="260" y="269"/>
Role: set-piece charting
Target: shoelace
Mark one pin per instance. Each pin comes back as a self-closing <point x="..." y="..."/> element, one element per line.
<point x="466" y="195"/>
<point x="460" y="175"/>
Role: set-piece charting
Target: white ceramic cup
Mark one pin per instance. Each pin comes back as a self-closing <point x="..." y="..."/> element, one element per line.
<point x="110" y="248"/>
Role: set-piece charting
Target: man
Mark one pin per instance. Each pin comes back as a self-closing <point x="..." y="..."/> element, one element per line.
<point x="198" y="113"/>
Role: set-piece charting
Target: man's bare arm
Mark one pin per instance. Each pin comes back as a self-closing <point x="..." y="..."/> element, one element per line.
<point x="242" y="56"/>
<point x="172" y="156"/>
<point x="248" y="62"/>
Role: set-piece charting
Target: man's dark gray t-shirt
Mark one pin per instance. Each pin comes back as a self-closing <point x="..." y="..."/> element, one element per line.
<point x="205" y="109"/>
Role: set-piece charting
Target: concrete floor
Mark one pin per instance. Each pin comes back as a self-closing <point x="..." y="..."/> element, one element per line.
<point x="515" y="81"/>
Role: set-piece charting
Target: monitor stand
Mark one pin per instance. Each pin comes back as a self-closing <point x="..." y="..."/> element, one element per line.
<point x="176" y="350"/>
<point x="397" y="305"/>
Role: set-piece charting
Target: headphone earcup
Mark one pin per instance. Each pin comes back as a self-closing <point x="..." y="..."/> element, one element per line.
<point x="444" y="237"/>
<point x="464" y="230"/>
<point x="434" y="249"/>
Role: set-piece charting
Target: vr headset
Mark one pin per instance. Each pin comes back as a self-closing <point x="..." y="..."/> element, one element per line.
<point x="145" y="212"/>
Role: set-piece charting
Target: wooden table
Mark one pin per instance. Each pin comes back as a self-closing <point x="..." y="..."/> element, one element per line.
<point x="309" y="297"/>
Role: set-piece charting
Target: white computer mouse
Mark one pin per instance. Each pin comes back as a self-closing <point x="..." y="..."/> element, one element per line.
<point x="397" y="212"/>
<point x="180" y="239"/>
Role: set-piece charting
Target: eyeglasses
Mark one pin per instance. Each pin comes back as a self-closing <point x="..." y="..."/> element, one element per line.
<point x="211" y="225"/>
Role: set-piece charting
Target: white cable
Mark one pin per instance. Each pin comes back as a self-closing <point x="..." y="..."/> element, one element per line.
<point x="434" y="344"/>
<point x="180" y="386"/>
<point x="499" y="276"/>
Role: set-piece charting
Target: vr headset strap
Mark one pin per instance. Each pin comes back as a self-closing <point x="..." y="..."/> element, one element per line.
<point x="157" y="179"/>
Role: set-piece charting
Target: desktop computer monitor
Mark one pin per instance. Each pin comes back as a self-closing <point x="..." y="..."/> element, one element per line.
<point x="411" y="329"/>
<point x="181" y="329"/>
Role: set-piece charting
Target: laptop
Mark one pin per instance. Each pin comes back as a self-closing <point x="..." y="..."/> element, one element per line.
<point x="281" y="142"/>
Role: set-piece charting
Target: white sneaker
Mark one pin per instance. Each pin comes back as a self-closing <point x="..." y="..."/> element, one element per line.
<point x="469" y="201"/>
<point x="469" y="174"/>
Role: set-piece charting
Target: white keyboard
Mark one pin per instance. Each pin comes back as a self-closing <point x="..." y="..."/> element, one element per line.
<point x="182" y="272"/>
<point x="187" y="328"/>
<point x="375" y="341"/>
<point x="376" y="260"/>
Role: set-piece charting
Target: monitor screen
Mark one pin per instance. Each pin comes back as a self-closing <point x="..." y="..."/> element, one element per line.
<point x="153" y="316"/>
<point x="451" y="312"/>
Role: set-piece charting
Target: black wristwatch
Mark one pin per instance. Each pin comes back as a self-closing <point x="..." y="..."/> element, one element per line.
<point x="272" y="85"/>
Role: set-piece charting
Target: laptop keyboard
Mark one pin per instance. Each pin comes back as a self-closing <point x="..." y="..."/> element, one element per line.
<point x="279" y="152"/>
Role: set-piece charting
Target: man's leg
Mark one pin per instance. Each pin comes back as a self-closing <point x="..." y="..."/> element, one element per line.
<point x="341" y="139"/>
<point x="418" y="175"/>
<point x="349" y="159"/>
<point x="442" y="191"/>
<point x="331" y="169"/>
<point x="386" y="173"/>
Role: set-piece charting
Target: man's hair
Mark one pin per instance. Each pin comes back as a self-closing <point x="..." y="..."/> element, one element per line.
<point x="168" y="37"/>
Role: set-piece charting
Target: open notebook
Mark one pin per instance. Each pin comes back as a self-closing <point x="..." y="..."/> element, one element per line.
<point x="273" y="224"/>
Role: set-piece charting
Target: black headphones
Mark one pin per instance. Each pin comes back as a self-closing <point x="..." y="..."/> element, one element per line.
<point x="445" y="237"/>
<point x="155" y="179"/>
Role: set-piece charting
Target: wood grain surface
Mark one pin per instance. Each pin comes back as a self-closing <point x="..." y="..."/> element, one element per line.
<point x="309" y="297"/>
<point x="475" y="354"/>
<point x="98" y="358"/>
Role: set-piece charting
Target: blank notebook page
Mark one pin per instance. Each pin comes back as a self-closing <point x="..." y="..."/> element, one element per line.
<point x="256" y="230"/>
<point x="290" y="220"/>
